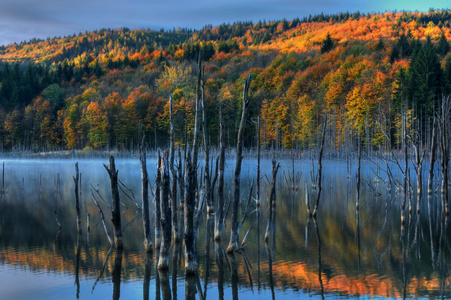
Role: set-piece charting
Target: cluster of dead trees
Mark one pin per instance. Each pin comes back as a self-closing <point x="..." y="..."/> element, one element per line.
<point x="178" y="186"/>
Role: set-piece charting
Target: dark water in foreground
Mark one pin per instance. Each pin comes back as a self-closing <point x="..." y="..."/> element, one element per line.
<point x="344" y="254"/>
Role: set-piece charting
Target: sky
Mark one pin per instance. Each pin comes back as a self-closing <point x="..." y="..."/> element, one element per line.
<point x="22" y="20"/>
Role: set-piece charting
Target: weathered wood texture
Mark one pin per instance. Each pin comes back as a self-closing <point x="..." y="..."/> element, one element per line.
<point x="220" y="208"/>
<point x="116" y="202"/>
<point x="165" y="246"/>
<point x="233" y="244"/>
<point x="157" y="204"/>
<point x="77" y="197"/>
<point x="145" y="201"/>
<point x="190" y="180"/>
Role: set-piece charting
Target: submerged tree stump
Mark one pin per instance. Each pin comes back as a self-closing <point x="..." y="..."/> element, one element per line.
<point x="190" y="196"/>
<point x="173" y="195"/>
<point x="116" y="202"/>
<point x="165" y="246"/>
<point x="145" y="202"/>
<point x="77" y="197"/>
<point x="272" y="200"/>
<point x="157" y="204"/>
<point x="220" y="210"/>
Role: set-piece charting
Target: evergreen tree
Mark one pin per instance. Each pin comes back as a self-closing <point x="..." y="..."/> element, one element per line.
<point x="443" y="45"/>
<point x="327" y="44"/>
<point x="380" y="44"/>
<point x="401" y="89"/>
<point x="394" y="54"/>
<point x="425" y="79"/>
<point x="404" y="46"/>
<point x="447" y="77"/>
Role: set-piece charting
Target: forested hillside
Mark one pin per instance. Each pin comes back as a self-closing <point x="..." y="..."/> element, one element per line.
<point x="108" y="88"/>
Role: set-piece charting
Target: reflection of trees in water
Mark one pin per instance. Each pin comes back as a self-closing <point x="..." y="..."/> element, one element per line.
<point x="77" y="266"/>
<point x="147" y="273"/>
<point x="116" y="275"/>
<point x="374" y="246"/>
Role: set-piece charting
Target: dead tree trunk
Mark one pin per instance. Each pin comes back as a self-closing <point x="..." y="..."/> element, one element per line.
<point x="358" y="175"/>
<point x="174" y="174"/>
<point x="419" y="157"/>
<point x="157" y="204"/>
<point x="115" y="208"/>
<point x="116" y="274"/>
<point x="145" y="201"/>
<point x="233" y="244"/>
<point x="272" y="199"/>
<point x="444" y="148"/>
<point x="77" y="197"/>
<point x="432" y="158"/>
<point x="207" y="176"/>
<point x="220" y="212"/>
<point x="198" y="114"/>
<point x="258" y="162"/>
<point x="181" y="180"/>
<point x="165" y="246"/>
<point x="406" y="165"/>
<point x="320" y="168"/>
<point x="190" y="195"/>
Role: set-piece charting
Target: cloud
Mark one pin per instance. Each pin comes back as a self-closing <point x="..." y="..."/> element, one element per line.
<point x="24" y="19"/>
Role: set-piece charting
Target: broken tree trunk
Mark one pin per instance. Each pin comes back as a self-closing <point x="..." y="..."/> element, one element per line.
<point x="115" y="208"/>
<point x="272" y="199"/>
<point x="190" y="196"/>
<point x="220" y="209"/>
<point x="174" y="175"/>
<point x="165" y="246"/>
<point x="320" y="169"/>
<point x="233" y="244"/>
<point x="157" y="204"/>
<point x="145" y="201"/>
<point x="77" y="197"/>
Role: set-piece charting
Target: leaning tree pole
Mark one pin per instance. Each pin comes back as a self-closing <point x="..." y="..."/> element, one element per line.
<point x="233" y="245"/>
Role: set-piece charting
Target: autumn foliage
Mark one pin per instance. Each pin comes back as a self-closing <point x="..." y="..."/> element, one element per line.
<point x="109" y="88"/>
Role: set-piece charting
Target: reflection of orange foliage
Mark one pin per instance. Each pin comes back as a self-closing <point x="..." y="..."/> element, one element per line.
<point x="304" y="277"/>
<point x="38" y="259"/>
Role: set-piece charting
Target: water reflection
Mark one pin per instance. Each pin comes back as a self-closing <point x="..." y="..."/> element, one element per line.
<point x="77" y="267"/>
<point x="176" y="255"/>
<point x="116" y="275"/>
<point x="271" y="278"/>
<point x="233" y="264"/>
<point x="318" y="241"/>
<point x="147" y="273"/>
<point x="209" y="239"/>
<point x="219" y="255"/>
<point x="345" y="252"/>
<point x="190" y="287"/>
<point x="165" y="285"/>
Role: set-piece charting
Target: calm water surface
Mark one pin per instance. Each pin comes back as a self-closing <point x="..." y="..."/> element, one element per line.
<point x="344" y="254"/>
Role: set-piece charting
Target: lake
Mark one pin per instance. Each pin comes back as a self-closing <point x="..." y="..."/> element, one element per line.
<point x="345" y="253"/>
